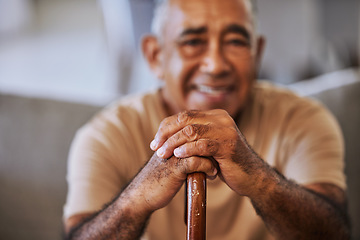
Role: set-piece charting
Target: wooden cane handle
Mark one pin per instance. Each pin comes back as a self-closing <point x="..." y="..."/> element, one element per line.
<point x="196" y="206"/>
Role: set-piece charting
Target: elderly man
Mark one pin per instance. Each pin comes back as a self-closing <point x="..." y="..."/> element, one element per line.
<point x="274" y="161"/>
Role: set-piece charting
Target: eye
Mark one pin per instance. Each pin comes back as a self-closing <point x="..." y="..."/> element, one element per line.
<point x="192" y="46"/>
<point x="237" y="42"/>
<point x="193" y="42"/>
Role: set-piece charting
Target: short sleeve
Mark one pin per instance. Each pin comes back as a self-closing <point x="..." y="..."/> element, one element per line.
<point x="314" y="147"/>
<point x="105" y="155"/>
<point x="109" y="150"/>
<point x="92" y="178"/>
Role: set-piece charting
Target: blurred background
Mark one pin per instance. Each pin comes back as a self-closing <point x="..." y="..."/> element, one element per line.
<point x="62" y="60"/>
<point x="87" y="50"/>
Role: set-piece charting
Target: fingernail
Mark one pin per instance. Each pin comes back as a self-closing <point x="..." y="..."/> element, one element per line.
<point x="153" y="144"/>
<point x="177" y="152"/>
<point x="160" y="152"/>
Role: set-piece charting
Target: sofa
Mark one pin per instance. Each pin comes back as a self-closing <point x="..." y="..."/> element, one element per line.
<point x="35" y="135"/>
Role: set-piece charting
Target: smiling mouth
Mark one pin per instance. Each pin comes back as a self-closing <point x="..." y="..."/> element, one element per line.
<point x="212" y="90"/>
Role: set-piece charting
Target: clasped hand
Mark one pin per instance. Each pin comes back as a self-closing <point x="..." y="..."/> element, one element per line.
<point x="198" y="141"/>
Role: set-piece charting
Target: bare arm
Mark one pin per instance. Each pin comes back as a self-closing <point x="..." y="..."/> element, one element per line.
<point x="290" y="211"/>
<point x="153" y="188"/>
<point x="119" y="220"/>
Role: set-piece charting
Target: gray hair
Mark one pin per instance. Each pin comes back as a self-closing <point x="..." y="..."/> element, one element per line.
<point x="160" y="15"/>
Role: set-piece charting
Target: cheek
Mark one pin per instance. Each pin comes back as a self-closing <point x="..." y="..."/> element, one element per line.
<point x="245" y="71"/>
<point x="247" y="77"/>
<point x="245" y="68"/>
<point x="179" y="71"/>
<point x="172" y="72"/>
<point x="174" y="69"/>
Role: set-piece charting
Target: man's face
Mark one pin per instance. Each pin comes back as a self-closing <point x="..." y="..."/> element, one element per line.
<point x="208" y="55"/>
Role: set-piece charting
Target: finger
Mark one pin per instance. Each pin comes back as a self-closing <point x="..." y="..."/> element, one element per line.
<point x="189" y="133"/>
<point x="167" y="128"/>
<point x="202" y="147"/>
<point x="170" y="125"/>
<point x="173" y="124"/>
<point x="199" y="164"/>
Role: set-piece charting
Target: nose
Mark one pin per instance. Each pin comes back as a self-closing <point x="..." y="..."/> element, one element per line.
<point x="214" y="61"/>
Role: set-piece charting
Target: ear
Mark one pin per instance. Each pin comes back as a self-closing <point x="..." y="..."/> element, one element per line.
<point x="151" y="50"/>
<point x="260" y="48"/>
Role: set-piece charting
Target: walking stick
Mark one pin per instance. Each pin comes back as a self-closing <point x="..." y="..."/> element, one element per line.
<point x="195" y="212"/>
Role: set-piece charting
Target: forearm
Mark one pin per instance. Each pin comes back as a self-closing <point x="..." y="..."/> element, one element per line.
<point x="292" y="212"/>
<point x="152" y="188"/>
<point x="119" y="220"/>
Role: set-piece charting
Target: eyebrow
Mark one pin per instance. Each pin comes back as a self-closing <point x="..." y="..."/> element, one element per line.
<point x="189" y="31"/>
<point x="235" y="28"/>
<point x="232" y="28"/>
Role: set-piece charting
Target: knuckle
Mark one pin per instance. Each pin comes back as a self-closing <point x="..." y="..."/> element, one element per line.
<point x="193" y="131"/>
<point x="189" y="131"/>
<point x="186" y="116"/>
<point x="228" y="121"/>
<point x="183" y="117"/>
<point x="207" y="147"/>
<point x="200" y="146"/>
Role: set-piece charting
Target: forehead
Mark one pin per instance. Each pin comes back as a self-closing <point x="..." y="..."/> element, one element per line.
<point x="212" y="14"/>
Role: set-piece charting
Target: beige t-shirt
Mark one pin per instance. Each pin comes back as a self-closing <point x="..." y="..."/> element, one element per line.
<point x="295" y="135"/>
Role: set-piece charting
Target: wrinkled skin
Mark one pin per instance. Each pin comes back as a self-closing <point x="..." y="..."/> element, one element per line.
<point x="212" y="134"/>
<point x="162" y="178"/>
<point x="207" y="55"/>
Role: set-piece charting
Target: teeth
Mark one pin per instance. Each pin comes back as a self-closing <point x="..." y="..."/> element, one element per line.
<point x="210" y="90"/>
